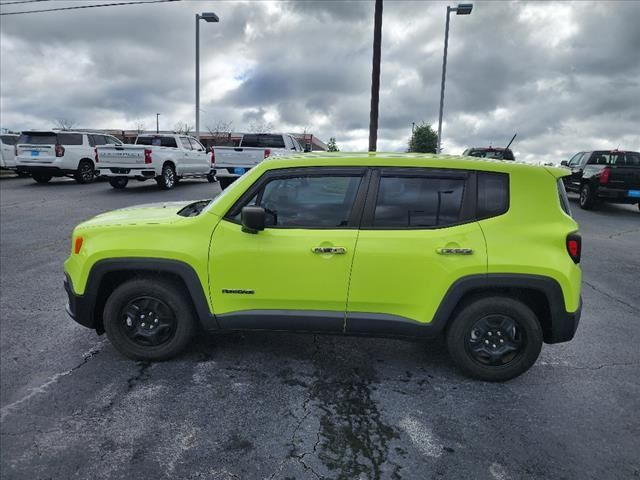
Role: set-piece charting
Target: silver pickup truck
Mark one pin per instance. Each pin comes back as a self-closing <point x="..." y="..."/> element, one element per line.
<point x="232" y="162"/>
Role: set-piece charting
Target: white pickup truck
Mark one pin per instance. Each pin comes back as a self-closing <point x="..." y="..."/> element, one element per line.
<point x="166" y="158"/>
<point x="231" y="162"/>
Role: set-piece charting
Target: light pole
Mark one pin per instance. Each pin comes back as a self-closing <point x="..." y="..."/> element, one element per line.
<point x="461" y="9"/>
<point x="157" y="123"/>
<point x="207" y="17"/>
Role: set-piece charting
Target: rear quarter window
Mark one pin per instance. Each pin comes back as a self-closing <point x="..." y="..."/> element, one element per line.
<point x="493" y="194"/>
<point x="70" y="138"/>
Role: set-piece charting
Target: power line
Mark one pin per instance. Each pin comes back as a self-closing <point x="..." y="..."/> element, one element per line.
<point x="87" y="6"/>
<point x="22" y="1"/>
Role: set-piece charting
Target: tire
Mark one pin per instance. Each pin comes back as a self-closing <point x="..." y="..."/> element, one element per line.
<point x="118" y="182"/>
<point x="129" y="326"/>
<point x="211" y="178"/>
<point x="167" y="180"/>
<point x="471" y="334"/>
<point x="587" y="198"/>
<point x="42" y="177"/>
<point x="86" y="173"/>
<point x="225" y="182"/>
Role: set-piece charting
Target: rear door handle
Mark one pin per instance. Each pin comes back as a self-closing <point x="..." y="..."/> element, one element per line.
<point x="334" y="250"/>
<point x="455" y="251"/>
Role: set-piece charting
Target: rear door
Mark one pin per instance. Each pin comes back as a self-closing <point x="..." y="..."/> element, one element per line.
<point x="295" y="273"/>
<point x="417" y="238"/>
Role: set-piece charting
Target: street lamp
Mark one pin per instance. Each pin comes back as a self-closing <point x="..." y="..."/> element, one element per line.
<point x="461" y="9"/>
<point x="209" y="17"/>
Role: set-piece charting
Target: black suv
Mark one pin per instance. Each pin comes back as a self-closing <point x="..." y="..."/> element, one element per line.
<point x="604" y="175"/>
<point x="490" y="152"/>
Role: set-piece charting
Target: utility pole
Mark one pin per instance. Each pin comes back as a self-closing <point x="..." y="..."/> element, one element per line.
<point x="375" y="77"/>
<point x="157" y="123"/>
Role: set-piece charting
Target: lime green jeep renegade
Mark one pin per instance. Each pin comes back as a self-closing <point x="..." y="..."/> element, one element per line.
<point x="401" y="245"/>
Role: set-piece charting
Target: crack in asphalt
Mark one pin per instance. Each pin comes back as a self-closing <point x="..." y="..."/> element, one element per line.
<point x="612" y="297"/>
<point x="623" y="233"/>
<point x="8" y="409"/>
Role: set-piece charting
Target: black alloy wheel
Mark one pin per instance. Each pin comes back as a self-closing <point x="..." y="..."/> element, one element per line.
<point x="148" y="321"/>
<point x="496" y="340"/>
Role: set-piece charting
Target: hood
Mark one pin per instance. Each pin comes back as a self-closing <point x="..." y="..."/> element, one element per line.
<point x="150" y="213"/>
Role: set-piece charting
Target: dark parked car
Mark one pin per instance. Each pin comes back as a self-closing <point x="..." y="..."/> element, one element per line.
<point x="604" y="175"/>
<point x="490" y="152"/>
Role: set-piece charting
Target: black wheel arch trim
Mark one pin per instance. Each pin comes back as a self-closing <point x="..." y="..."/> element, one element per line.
<point x="82" y="308"/>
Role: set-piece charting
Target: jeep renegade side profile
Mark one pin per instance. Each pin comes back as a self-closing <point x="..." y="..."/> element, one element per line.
<point x="403" y="245"/>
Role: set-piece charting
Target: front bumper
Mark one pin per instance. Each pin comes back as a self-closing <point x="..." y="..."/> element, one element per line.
<point x="563" y="329"/>
<point x="79" y="307"/>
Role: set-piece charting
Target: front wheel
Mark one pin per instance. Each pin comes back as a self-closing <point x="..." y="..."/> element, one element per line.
<point x="149" y="319"/>
<point x="587" y="197"/>
<point x="42" y="177"/>
<point x="85" y="173"/>
<point x="168" y="179"/>
<point x="118" y="182"/>
<point x="495" y="339"/>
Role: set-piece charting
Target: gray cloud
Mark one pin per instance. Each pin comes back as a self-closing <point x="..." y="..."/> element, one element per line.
<point x="565" y="76"/>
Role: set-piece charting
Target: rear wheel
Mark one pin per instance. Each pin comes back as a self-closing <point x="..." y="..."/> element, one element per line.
<point x="118" y="182"/>
<point x="226" y="181"/>
<point x="167" y="180"/>
<point x="211" y="178"/>
<point x="587" y="197"/>
<point x="42" y="177"/>
<point x="85" y="173"/>
<point x="149" y="319"/>
<point x="495" y="338"/>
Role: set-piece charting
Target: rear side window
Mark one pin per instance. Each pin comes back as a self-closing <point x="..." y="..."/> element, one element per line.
<point x="9" y="139"/>
<point x="564" y="200"/>
<point x="417" y="202"/>
<point x="493" y="194"/>
<point x="70" y="138"/>
<point x="35" y="138"/>
<point x="263" y="141"/>
<point x="97" y="140"/>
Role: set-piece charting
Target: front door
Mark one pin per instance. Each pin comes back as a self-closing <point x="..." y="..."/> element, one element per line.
<point x="294" y="274"/>
<point x="417" y="238"/>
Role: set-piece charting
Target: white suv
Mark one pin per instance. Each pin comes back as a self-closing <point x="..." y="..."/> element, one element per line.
<point x="46" y="153"/>
<point x="7" y="151"/>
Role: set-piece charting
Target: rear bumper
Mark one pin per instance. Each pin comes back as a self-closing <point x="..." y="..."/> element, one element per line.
<point x="145" y="171"/>
<point x="47" y="170"/>
<point x="78" y="307"/>
<point x="563" y="327"/>
<point x="617" y="195"/>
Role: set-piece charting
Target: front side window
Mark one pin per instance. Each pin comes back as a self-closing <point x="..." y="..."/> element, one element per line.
<point x="97" y="140"/>
<point x="575" y="160"/>
<point x="418" y="202"/>
<point x="112" y="141"/>
<point x="307" y="201"/>
<point x="185" y="143"/>
<point x="196" y="145"/>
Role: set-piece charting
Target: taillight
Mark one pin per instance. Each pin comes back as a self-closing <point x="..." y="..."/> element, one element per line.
<point x="96" y="154"/>
<point x="574" y="246"/>
<point x="604" y="175"/>
<point x="147" y="155"/>
<point x="267" y="152"/>
<point x="213" y="158"/>
<point x="59" y="150"/>
<point x="77" y="245"/>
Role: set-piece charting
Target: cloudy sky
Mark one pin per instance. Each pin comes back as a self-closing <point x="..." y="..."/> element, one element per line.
<point x="564" y="76"/>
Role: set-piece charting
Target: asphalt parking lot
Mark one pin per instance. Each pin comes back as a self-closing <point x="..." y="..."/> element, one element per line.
<point x="276" y="406"/>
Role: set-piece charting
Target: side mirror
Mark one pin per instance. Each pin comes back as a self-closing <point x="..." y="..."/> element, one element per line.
<point x="564" y="163"/>
<point x="252" y="219"/>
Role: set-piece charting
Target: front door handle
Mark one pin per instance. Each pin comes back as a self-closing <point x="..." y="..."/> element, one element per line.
<point x="334" y="250"/>
<point x="455" y="251"/>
